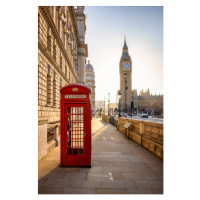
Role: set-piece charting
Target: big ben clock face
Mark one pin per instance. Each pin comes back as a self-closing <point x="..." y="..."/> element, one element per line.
<point x="126" y="66"/>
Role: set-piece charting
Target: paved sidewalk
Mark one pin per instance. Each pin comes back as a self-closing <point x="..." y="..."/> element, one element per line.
<point x="119" y="166"/>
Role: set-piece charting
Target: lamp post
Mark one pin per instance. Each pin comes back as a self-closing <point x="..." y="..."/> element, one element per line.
<point x="125" y="76"/>
<point x="108" y="103"/>
<point x="132" y="107"/>
<point x="104" y="106"/>
<point x="119" y="95"/>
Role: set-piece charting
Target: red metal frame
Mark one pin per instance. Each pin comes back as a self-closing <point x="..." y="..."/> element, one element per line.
<point x="75" y="121"/>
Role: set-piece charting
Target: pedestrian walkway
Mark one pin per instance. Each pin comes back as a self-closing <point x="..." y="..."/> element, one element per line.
<point x="119" y="166"/>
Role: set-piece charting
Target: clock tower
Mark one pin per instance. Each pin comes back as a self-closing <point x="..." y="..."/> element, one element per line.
<point x="125" y="73"/>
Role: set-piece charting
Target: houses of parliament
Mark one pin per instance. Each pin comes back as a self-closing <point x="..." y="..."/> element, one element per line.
<point x="131" y="101"/>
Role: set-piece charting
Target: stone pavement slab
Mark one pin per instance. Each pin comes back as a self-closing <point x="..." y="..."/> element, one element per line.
<point x="111" y="191"/>
<point x="99" y="176"/>
<point x="55" y="190"/>
<point x="119" y="166"/>
<point x="78" y="191"/>
<point x="82" y="183"/>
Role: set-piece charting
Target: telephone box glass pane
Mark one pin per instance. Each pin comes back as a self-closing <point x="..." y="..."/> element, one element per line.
<point x="69" y="151"/>
<point x="69" y="143"/>
<point x="75" y="131"/>
<point x="80" y="151"/>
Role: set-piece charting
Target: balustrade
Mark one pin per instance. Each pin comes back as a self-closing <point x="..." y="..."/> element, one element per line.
<point x="146" y="133"/>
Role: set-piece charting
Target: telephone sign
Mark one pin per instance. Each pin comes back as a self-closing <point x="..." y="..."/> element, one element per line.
<point x="75" y="125"/>
<point x="75" y="96"/>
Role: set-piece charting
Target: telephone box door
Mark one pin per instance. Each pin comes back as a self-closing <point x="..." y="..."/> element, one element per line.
<point x="75" y="134"/>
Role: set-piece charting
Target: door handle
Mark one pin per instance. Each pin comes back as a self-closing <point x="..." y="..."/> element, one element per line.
<point x="84" y="134"/>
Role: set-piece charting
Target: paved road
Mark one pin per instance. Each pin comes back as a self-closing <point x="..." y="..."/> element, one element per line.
<point x="148" y="119"/>
<point x="119" y="166"/>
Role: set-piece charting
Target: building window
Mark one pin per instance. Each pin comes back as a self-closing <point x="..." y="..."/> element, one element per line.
<point x="54" y="89"/>
<point x="54" y="75"/>
<point x="48" y="69"/>
<point x="50" y="134"/>
<point x="61" y="60"/>
<point x="49" y="85"/>
<point x="49" y="39"/>
<point x="54" y="49"/>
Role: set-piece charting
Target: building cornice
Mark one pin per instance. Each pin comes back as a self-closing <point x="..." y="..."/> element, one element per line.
<point x="46" y="12"/>
<point x="85" y="47"/>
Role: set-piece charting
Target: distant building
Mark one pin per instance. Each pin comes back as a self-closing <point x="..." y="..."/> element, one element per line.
<point x="112" y="107"/>
<point x="99" y="108"/>
<point x="147" y="103"/>
<point x="90" y="81"/>
<point x="99" y="105"/>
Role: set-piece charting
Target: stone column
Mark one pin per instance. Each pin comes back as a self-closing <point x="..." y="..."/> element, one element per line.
<point x="141" y="127"/>
<point x="80" y="17"/>
<point x="42" y="138"/>
<point x="81" y="67"/>
<point x="82" y="48"/>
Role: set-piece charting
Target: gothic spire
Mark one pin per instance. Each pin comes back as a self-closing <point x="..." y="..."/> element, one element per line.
<point x="125" y="50"/>
<point x="125" y="45"/>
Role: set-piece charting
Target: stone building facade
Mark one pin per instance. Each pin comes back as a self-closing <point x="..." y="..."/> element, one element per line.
<point x="90" y="81"/>
<point x="148" y="103"/>
<point x="62" y="56"/>
<point x="125" y="72"/>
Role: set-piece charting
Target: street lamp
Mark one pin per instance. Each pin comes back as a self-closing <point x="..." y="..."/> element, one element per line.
<point x="119" y="95"/>
<point x="104" y="106"/>
<point x="125" y="76"/>
<point x="108" y="103"/>
<point x="132" y="107"/>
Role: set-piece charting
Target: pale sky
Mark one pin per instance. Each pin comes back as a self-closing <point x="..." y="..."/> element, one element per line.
<point x="143" y="27"/>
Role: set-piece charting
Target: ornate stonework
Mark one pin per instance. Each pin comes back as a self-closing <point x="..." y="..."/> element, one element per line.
<point x="58" y="62"/>
<point x="125" y="67"/>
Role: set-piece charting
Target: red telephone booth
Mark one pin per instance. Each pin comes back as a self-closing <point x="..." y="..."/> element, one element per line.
<point x="75" y="125"/>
